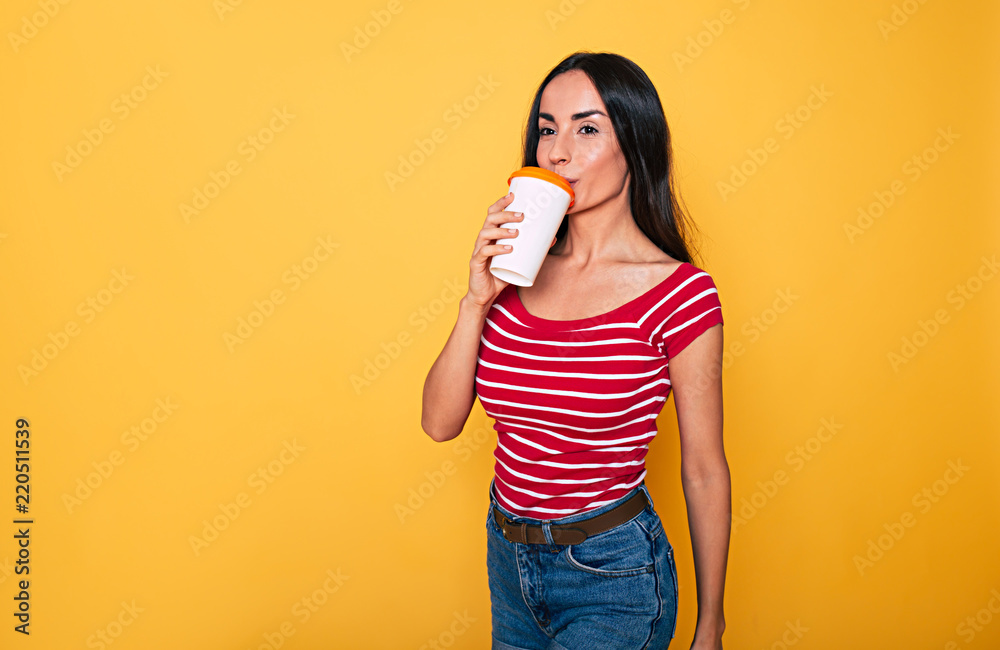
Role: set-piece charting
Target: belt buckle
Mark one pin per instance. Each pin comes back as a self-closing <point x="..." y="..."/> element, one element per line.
<point x="503" y="525"/>
<point x="504" y="522"/>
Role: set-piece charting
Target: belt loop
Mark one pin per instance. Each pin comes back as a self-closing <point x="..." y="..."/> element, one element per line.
<point x="547" y="530"/>
<point x="524" y="531"/>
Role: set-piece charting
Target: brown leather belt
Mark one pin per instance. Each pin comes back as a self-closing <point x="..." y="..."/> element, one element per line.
<point x="573" y="533"/>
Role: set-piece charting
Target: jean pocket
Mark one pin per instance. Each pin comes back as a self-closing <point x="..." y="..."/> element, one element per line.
<point x="625" y="550"/>
<point x="650" y="521"/>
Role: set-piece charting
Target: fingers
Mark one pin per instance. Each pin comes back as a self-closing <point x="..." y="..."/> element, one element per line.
<point x="494" y="234"/>
<point x="492" y="231"/>
<point x="502" y="203"/>
<point x="482" y="284"/>
<point x="496" y="218"/>
<point x="494" y="249"/>
<point x="496" y="212"/>
<point x="489" y="235"/>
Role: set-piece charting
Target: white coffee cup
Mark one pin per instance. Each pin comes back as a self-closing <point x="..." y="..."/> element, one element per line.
<point x="543" y="197"/>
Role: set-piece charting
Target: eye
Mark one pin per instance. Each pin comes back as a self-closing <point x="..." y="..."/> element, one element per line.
<point x="541" y="131"/>
<point x="588" y="126"/>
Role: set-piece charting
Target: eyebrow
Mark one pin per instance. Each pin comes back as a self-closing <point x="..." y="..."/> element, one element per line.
<point x="575" y="117"/>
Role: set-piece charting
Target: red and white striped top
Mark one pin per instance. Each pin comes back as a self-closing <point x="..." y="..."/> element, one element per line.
<point x="575" y="402"/>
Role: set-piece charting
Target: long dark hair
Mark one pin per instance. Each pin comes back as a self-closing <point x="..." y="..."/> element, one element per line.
<point x="641" y="129"/>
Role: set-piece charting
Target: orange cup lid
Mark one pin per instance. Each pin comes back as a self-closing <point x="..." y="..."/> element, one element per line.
<point x="546" y="175"/>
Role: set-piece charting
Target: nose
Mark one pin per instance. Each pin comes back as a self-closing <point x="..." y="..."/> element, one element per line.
<point x="560" y="153"/>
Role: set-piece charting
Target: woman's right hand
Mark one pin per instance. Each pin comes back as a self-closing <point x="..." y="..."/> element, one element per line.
<point x="484" y="287"/>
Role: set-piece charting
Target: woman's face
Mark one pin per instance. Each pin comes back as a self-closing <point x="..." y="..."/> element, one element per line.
<point x="577" y="141"/>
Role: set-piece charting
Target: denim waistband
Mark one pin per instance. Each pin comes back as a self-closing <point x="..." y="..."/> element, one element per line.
<point x="568" y="518"/>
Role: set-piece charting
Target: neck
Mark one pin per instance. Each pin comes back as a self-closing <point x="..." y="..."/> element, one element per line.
<point x="602" y="234"/>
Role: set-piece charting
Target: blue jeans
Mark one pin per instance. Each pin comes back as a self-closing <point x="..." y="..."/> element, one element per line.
<point x="616" y="589"/>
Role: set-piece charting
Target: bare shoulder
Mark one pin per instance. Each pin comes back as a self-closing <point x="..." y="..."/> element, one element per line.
<point x="647" y="273"/>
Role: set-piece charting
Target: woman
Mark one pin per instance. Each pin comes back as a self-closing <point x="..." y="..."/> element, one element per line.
<point x="576" y="553"/>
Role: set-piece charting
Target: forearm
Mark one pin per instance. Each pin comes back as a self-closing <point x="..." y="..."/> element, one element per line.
<point x="449" y="391"/>
<point x="709" y="505"/>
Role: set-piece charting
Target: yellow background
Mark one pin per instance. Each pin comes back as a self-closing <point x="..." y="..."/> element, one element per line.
<point x="382" y="298"/>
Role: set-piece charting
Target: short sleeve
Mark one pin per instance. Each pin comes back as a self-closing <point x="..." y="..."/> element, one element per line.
<point x="695" y="308"/>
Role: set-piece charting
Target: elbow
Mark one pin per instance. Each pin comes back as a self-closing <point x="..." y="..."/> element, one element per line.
<point x="432" y="432"/>
<point x="436" y="433"/>
<point x="705" y="472"/>
<point x="442" y="422"/>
